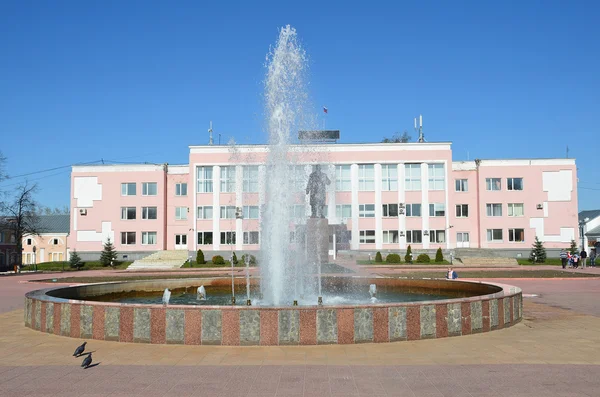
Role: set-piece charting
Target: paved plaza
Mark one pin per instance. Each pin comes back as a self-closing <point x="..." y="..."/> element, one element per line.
<point x="554" y="351"/>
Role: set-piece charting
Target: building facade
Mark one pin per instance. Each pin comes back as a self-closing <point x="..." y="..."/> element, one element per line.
<point x="50" y="245"/>
<point x="384" y="195"/>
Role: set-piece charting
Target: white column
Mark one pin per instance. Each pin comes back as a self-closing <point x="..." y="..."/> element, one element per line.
<point x="195" y="211"/>
<point x="331" y="195"/>
<point x="401" y="200"/>
<point x="216" y="208"/>
<point x="425" y="203"/>
<point x="354" y="188"/>
<point x="239" y="184"/>
<point x="378" y="209"/>
<point x="447" y="175"/>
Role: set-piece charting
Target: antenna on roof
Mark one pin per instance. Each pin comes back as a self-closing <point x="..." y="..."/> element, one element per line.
<point x="210" y="139"/>
<point x="420" y="129"/>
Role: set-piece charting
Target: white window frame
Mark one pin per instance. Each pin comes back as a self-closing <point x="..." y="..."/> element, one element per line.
<point x="228" y="179"/>
<point x="390" y="237"/>
<point x="389" y="177"/>
<point x="127" y="236"/>
<point x="460" y="237"/>
<point x="461" y="185"/>
<point x="343" y="211"/>
<point x="182" y="239"/>
<point x="250" y="211"/>
<point x="343" y="178"/>
<point x="125" y="213"/>
<point x="227" y="212"/>
<point x="491" y="209"/>
<point x="181" y="189"/>
<point x="387" y="209"/>
<point x="437" y="236"/>
<point x="250" y="179"/>
<point x="513" y="206"/>
<point x="437" y="176"/>
<point x="55" y="256"/>
<point x="146" y="191"/>
<point x="205" y="179"/>
<point x="203" y="212"/>
<point x="251" y="237"/>
<point x="366" y="236"/>
<point x="491" y="238"/>
<point x="512" y="234"/>
<point x="146" y="238"/>
<point x="366" y="177"/>
<point x="412" y="234"/>
<point x="202" y="240"/>
<point x="493" y="184"/>
<point x="510" y="184"/>
<point x="462" y="210"/>
<point x="181" y="213"/>
<point x="227" y="237"/>
<point x="435" y="208"/>
<point x="127" y="188"/>
<point x="366" y="210"/>
<point x="146" y="213"/>
<point x="411" y="207"/>
<point x="412" y="176"/>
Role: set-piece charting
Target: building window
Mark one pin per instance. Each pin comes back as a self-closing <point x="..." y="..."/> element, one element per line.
<point x="148" y="238"/>
<point x="414" y="236"/>
<point x="493" y="209"/>
<point x="251" y="238"/>
<point x="250" y="212"/>
<point x="298" y="211"/>
<point x="205" y="238"/>
<point x="462" y="237"/>
<point x="493" y="184"/>
<point x="437" y="209"/>
<point x="516" y="235"/>
<point x="343" y="178"/>
<point x="412" y="176"/>
<point x="390" y="236"/>
<point x="127" y="213"/>
<point x="366" y="211"/>
<point x="515" y="209"/>
<point x="413" y="209"/>
<point x="181" y="189"/>
<point x="149" y="213"/>
<point x="28" y="241"/>
<point x="227" y="179"/>
<point x="205" y="179"/>
<point x="181" y="213"/>
<point x="390" y="210"/>
<point x="149" y="189"/>
<point x="227" y="212"/>
<point x="228" y="238"/>
<point x="437" y="179"/>
<point x="181" y="239"/>
<point x="55" y="256"/>
<point x="205" y="212"/>
<point x="55" y="241"/>
<point x="367" y="236"/>
<point x="250" y="179"/>
<point x="343" y="211"/>
<point x="462" y="185"/>
<point x="514" y="183"/>
<point x="366" y="177"/>
<point x="127" y="238"/>
<point x="127" y="189"/>
<point x="494" y="235"/>
<point x="462" y="210"/>
<point x="437" y="236"/>
<point x="389" y="177"/>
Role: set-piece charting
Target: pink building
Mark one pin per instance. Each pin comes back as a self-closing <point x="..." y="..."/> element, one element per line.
<point x="385" y="195"/>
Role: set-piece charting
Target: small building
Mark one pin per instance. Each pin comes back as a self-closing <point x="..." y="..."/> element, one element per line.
<point x="50" y="245"/>
<point x="8" y="246"/>
<point x="589" y="228"/>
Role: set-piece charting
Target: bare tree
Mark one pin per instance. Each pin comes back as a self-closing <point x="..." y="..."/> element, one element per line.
<point x="20" y="216"/>
<point x="397" y="138"/>
<point x="3" y="175"/>
<point x="64" y="210"/>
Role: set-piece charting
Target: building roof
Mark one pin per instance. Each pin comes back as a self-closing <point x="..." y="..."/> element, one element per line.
<point x="595" y="232"/>
<point x="54" y="223"/>
<point x="589" y="214"/>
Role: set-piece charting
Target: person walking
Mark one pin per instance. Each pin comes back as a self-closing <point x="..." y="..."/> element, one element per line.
<point x="583" y="256"/>
<point x="563" y="258"/>
<point x="593" y="257"/>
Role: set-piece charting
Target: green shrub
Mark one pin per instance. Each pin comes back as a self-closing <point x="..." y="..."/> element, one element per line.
<point x="108" y="257"/>
<point x="407" y="257"/>
<point x="235" y="259"/>
<point x="218" y="260"/>
<point x="378" y="257"/>
<point x="200" y="258"/>
<point x="439" y="257"/>
<point x="252" y="259"/>
<point x="393" y="258"/>
<point x="423" y="258"/>
<point x="75" y="261"/>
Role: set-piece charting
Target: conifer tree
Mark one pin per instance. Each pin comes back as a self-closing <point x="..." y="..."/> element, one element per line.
<point x="75" y="260"/>
<point x="408" y="256"/>
<point x="109" y="254"/>
<point x="538" y="252"/>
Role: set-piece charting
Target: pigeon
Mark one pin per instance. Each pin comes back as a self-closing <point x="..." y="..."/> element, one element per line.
<point x="87" y="361"/>
<point x="79" y="350"/>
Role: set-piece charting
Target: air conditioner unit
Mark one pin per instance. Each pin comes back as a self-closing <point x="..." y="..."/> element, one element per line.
<point x="83" y="211"/>
<point x="540" y="207"/>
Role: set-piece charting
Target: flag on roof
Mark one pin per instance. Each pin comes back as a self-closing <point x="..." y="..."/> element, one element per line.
<point x="324" y="109"/>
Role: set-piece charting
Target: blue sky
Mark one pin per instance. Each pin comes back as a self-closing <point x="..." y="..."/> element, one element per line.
<point x="138" y="81"/>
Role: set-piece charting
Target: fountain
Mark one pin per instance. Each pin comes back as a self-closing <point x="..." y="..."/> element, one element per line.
<point x="201" y="293"/>
<point x="166" y="297"/>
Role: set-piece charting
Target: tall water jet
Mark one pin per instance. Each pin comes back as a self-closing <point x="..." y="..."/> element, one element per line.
<point x="285" y="97"/>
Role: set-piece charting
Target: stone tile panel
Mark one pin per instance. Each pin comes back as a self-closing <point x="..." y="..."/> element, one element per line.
<point x="141" y="324"/>
<point x="42" y="323"/>
<point x="211" y="327"/>
<point x="175" y="326"/>
<point x="289" y="327"/>
<point x="494" y="314"/>
<point x="507" y="316"/>
<point x="428" y="321"/>
<point x="363" y="325"/>
<point x="454" y="319"/>
<point x="111" y="323"/>
<point x="65" y="320"/>
<point x="476" y="317"/>
<point x="27" y="312"/>
<point x="86" y="318"/>
<point x="465" y="310"/>
<point x="37" y="318"/>
<point x="397" y="323"/>
<point x="249" y="324"/>
<point x="49" y="326"/>
<point x="327" y="329"/>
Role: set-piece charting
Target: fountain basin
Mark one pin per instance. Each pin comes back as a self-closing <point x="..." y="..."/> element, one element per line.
<point x="67" y="311"/>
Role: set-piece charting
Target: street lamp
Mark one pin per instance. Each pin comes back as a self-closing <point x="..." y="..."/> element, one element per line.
<point x="35" y="259"/>
<point x="582" y="224"/>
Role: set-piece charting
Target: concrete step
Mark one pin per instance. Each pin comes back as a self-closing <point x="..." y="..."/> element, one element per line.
<point x="487" y="261"/>
<point x="161" y="260"/>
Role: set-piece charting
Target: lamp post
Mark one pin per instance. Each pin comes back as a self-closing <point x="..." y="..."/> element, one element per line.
<point x="35" y="259"/>
<point x="582" y="224"/>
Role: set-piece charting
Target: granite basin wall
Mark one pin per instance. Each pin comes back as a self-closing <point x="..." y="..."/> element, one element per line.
<point x="48" y="311"/>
